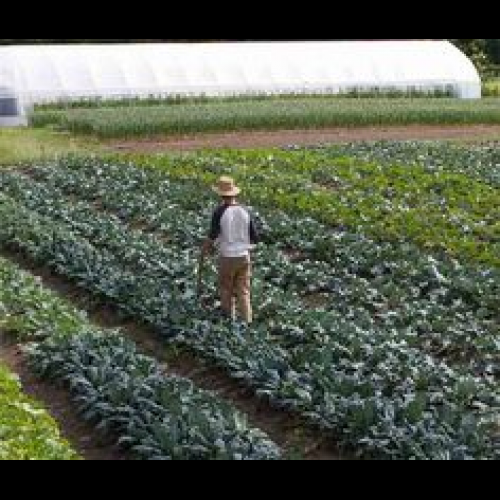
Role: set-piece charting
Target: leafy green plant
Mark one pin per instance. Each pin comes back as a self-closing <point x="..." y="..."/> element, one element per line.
<point x="27" y="432"/>
<point x="28" y="311"/>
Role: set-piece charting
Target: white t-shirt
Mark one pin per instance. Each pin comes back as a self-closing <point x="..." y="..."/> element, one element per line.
<point x="233" y="230"/>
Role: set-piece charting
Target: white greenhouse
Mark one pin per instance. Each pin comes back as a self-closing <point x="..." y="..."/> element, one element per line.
<point x="36" y="74"/>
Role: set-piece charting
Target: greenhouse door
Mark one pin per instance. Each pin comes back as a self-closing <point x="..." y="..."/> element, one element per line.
<point x="10" y="115"/>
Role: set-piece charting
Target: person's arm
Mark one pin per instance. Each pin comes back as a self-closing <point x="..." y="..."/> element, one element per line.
<point x="215" y="231"/>
<point x="208" y="247"/>
<point x="254" y="233"/>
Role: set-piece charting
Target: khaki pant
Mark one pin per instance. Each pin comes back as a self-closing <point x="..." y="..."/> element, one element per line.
<point x="235" y="276"/>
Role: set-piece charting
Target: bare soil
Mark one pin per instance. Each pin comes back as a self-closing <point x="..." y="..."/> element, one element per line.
<point x="308" y="137"/>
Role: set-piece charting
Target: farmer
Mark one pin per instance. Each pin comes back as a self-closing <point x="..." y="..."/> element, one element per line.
<point x="234" y="233"/>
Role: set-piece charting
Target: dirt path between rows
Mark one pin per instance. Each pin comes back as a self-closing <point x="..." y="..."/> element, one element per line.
<point x="284" y="138"/>
<point x="57" y="401"/>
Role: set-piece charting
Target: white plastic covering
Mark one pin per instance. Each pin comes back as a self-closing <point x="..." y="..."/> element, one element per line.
<point x="35" y="74"/>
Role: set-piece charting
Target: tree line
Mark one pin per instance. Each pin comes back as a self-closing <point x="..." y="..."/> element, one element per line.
<point x="484" y="52"/>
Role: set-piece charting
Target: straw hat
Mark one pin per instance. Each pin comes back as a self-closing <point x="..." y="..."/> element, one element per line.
<point x="226" y="187"/>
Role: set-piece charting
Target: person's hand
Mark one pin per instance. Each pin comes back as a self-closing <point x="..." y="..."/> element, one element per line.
<point x="207" y="248"/>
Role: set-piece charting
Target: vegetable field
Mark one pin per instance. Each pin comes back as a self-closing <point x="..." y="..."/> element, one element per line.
<point x="376" y="290"/>
<point x="295" y="112"/>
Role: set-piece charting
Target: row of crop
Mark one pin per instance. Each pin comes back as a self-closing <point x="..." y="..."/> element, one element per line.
<point x="28" y="311"/>
<point x="477" y="161"/>
<point x="177" y="99"/>
<point x="268" y="114"/>
<point x="446" y="306"/>
<point x="27" y="432"/>
<point x="378" y="395"/>
<point x="115" y="388"/>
